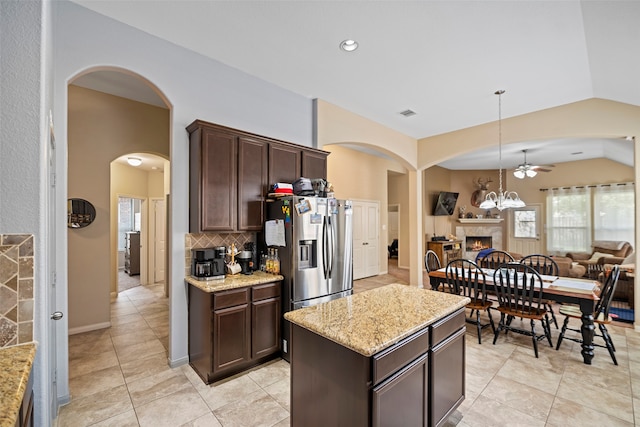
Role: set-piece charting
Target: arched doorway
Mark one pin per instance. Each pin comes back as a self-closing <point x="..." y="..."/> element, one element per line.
<point x="111" y="113"/>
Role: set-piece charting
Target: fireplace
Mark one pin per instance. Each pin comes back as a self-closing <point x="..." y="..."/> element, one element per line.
<point x="467" y="233"/>
<point x="477" y="243"/>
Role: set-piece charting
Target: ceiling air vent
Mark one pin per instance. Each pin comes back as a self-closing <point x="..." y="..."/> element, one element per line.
<point x="408" y="113"/>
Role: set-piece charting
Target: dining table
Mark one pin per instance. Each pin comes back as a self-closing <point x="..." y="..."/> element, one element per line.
<point x="569" y="290"/>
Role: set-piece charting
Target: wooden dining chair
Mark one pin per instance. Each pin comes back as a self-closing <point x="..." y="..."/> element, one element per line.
<point x="519" y="290"/>
<point x="466" y="278"/>
<point x="600" y="316"/>
<point x="494" y="259"/>
<point x="432" y="263"/>
<point x="544" y="265"/>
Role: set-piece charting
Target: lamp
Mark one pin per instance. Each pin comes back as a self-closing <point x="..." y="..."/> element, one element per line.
<point x="504" y="199"/>
<point x="134" y="161"/>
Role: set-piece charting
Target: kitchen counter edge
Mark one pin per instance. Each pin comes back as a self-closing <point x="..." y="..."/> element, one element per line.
<point x="15" y="367"/>
<point x="371" y="321"/>
<point x="234" y="282"/>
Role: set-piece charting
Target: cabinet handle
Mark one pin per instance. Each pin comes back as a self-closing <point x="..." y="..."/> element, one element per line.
<point x="56" y="315"/>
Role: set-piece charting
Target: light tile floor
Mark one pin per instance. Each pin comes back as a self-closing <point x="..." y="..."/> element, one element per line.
<point x="120" y="377"/>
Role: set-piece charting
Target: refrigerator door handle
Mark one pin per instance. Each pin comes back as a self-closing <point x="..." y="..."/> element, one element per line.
<point x="324" y="247"/>
<point x="330" y="248"/>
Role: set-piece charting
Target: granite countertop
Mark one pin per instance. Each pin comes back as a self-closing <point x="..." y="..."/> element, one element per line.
<point x="15" y="367"/>
<point x="371" y="321"/>
<point x="235" y="281"/>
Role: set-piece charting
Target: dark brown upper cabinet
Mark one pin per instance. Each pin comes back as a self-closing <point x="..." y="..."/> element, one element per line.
<point x="284" y="163"/>
<point x="231" y="172"/>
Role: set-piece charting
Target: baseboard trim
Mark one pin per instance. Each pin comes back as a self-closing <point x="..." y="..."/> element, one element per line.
<point x="178" y="362"/>
<point x="89" y="328"/>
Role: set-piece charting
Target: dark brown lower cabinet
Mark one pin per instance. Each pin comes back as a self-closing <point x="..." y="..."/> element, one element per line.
<point x="418" y="381"/>
<point x="403" y="399"/>
<point x="25" y="413"/>
<point x="233" y="330"/>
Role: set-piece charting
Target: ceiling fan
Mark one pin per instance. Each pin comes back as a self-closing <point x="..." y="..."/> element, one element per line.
<point x="528" y="170"/>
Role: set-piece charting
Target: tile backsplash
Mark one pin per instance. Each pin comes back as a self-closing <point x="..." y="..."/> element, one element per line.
<point x="16" y="289"/>
<point x="210" y="240"/>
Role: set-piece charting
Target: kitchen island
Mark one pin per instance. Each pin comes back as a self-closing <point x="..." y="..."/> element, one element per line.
<point x="394" y="355"/>
<point x="234" y="323"/>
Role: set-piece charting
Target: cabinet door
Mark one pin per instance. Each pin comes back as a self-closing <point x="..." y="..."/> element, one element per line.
<point x="252" y="183"/>
<point x="284" y="163"/>
<point x="217" y="194"/>
<point x="265" y="331"/>
<point x="402" y="400"/>
<point x="231" y="337"/>
<point x="314" y="165"/>
<point x="447" y="377"/>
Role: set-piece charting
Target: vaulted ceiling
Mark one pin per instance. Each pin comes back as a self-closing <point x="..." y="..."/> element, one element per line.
<point x="441" y="59"/>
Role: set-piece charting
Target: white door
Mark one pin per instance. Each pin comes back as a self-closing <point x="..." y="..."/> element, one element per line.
<point x="158" y="237"/>
<point x="524" y="230"/>
<point x="366" y="256"/>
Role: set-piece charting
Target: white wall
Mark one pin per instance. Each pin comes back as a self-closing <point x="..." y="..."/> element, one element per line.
<point x="196" y="88"/>
<point x="25" y="101"/>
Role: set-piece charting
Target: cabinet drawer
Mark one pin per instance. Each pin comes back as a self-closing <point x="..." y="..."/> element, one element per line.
<point x="447" y="326"/>
<point x="390" y="360"/>
<point x="268" y="290"/>
<point x="230" y="298"/>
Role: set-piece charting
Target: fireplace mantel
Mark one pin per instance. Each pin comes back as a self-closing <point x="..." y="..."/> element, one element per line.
<point x="480" y="220"/>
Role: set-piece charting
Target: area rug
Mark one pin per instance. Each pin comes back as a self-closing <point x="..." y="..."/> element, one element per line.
<point x="624" y="314"/>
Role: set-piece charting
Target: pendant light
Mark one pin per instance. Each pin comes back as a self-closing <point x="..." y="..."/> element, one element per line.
<point x="503" y="199"/>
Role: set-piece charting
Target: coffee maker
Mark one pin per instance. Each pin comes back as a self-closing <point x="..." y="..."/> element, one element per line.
<point x="208" y="263"/>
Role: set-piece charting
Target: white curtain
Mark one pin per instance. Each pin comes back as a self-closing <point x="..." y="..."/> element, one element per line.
<point x="568" y="220"/>
<point x="614" y="212"/>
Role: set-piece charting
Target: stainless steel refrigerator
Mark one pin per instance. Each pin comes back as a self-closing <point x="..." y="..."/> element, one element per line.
<point x="313" y="236"/>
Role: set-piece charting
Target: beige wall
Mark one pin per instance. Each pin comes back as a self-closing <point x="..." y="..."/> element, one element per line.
<point x="589" y="118"/>
<point x="359" y="176"/>
<point x="101" y="128"/>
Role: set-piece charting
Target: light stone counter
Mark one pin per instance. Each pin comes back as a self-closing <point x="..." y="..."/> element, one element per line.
<point x="235" y="281"/>
<point x="371" y="321"/>
<point x="15" y="367"/>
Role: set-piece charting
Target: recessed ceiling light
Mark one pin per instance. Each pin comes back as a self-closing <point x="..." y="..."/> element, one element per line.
<point x="349" y="45"/>
<point x="134" y="161"/>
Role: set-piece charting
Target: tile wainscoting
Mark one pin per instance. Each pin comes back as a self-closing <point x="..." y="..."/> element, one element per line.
<point x="16" y="289"/>
<point x="210" y="240"/>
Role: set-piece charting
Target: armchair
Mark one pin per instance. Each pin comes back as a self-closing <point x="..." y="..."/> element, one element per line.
<point x="603" y="252"/>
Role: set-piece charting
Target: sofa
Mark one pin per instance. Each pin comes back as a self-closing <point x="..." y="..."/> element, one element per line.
<point x="602" y="252"/>
<point x="566" y="266"/>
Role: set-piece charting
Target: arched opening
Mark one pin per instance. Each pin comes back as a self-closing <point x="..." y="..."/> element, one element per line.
<point x="114" y="114"/>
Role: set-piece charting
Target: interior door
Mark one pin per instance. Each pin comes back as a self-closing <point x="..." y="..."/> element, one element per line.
<point x="158" y="240"/>
<point x="524" y="230"/>
<point x="365" y="239"/>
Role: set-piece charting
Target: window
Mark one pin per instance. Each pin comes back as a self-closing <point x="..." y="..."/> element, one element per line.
<point x="576" y="216"/>
<point x="524" y="223"/>
<point x="613" y="218"/>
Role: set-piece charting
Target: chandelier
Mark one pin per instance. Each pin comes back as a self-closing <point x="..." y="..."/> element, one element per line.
<point x="503" y="199"/>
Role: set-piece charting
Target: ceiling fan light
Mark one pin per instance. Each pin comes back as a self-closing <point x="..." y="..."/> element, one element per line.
<point x="518" y="174"/>
<point x="531" y="173"/>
